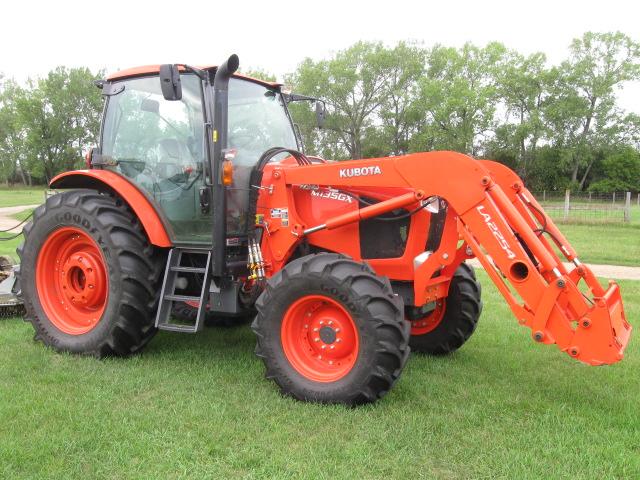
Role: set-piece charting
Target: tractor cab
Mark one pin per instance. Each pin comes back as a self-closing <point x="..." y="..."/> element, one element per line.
<point x="162" y="145"/>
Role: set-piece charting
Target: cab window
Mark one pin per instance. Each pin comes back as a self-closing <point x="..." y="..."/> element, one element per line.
<point x="160" y="146"/>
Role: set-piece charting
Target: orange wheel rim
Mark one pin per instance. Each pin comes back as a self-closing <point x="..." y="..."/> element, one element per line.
<point x="319" y="338"/>
<point x="72" y="281"/>
<point x="429" y="322"/>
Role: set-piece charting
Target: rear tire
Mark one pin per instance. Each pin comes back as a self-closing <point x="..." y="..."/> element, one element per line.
<point x="462" y="309"/>
<point x="329" y="330"/>
<point x="71" y="229"/>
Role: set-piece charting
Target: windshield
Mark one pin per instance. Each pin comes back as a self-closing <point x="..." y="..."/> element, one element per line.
<point x="258" y="121"/>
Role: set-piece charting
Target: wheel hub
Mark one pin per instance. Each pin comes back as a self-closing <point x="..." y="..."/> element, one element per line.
<point x="429" y="322"/>
<point x="319" y="338"/>
<point x="328" y="335"/>
<point x="72" y="282"/>
<point x="79" y="276"/>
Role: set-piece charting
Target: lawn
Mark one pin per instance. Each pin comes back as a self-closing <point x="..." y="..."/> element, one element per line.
<point x="11" y="197"/>
<point x="199" y="407"/>
<point x="606" y="244"/>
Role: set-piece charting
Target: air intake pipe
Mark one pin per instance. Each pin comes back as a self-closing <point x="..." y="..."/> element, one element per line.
<point x="220" y="127"/>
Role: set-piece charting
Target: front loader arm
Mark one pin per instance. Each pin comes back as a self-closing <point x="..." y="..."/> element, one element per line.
<point x="502" y="224"/>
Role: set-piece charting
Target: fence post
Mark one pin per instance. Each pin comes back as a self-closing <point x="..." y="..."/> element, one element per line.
<point x="567" y="204"/>
<point x="614" y="198"/>
<point x="627" y="208"/>
<point x="544" y="196"/>
<point x="589" y="196"/>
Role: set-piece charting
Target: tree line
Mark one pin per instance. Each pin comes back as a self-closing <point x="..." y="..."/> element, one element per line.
<point x="45" y="125"/>
<point x="558" y="125"/>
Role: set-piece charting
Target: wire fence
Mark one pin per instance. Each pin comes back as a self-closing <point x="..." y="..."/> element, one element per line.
<point x="590" y="207"/>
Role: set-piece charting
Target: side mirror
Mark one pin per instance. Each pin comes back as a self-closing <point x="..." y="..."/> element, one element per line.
<point x="320" y="114"/>
<point x="170" y="82"/>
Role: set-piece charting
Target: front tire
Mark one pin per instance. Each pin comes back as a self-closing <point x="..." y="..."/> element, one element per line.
<point x="89" y="277"/>
<point x="329" y="330"/>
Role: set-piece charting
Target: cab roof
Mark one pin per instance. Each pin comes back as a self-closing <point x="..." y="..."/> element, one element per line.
<point x="155" y="70"/>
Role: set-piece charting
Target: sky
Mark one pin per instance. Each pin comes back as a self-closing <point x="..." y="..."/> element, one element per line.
<point x="37" y="36"/>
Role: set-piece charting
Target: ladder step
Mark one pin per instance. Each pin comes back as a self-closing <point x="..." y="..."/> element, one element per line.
<point x="172" y="327"/>
<point x="182" y="298"/>
<point x="168" y="292"/>
<point x="188" y="269"/>
<point x="194" y="251"/>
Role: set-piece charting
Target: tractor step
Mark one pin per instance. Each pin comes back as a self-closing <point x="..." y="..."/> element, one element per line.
<point x="182" y="298"/>
<point x="176" y="327"/>
<point x="168" y="294"/>
<point x="188" y="269"/>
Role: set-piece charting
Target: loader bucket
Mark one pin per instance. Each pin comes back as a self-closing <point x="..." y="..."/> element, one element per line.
<point x="604" y="332"/>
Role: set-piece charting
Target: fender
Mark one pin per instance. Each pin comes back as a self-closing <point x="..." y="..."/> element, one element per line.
<point x="139" y="203"/>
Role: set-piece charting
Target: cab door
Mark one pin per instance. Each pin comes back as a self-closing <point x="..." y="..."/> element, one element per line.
<point x="160" y="146"/>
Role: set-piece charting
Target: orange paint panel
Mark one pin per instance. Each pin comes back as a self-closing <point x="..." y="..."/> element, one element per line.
<point x="142" y="207"/>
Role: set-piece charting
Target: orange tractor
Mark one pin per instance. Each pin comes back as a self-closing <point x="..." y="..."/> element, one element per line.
<point x="199" y="206"/>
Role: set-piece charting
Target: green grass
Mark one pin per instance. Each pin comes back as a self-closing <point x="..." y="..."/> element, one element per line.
<point x="23" y="214"/>
<point x="199" y="407"/>
<point x="11" y="197"/>
<point x="606" y="244"/>
<point x="8" y="247"/>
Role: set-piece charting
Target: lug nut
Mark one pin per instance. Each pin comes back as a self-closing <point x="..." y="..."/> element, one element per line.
<point x="538" y="336"/>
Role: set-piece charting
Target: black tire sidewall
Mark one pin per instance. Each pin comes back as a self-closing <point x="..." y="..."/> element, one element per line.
<point x="453" y="310"/>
